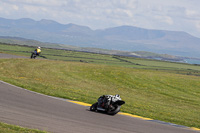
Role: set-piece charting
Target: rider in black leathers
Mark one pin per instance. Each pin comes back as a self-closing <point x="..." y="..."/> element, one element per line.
<point x="105" y="100"/>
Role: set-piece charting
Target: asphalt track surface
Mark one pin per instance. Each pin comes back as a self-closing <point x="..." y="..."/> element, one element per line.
<point x="6" y="56"/>
<point x="32" y="110"/>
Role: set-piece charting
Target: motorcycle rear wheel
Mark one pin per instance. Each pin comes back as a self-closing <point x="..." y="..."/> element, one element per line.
<point x="115" y="111"/>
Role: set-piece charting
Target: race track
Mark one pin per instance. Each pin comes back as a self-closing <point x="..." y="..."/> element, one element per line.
<point x="32" y="110"/>
<point x="6" y="56"/>
<point x="29" y="109"/>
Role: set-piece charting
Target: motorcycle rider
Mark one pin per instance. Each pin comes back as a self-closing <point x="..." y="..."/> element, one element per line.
<point x="37" y="51"/>
<point x="105" y="100"/>
<point x="108" y="103"/>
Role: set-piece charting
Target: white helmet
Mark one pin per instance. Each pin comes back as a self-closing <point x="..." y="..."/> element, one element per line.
<point x="117" y="95"/>
<point x="39" y="47"/>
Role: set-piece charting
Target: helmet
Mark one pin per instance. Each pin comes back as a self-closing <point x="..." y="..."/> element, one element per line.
<point x="117" y="95"/>
<point x="39" y="47"/>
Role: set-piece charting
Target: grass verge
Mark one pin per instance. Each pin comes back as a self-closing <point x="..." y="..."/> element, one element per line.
<point x="7" y="128"/>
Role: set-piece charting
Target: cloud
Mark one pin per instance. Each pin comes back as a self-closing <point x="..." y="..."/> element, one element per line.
<point x="198" y="25"/>
<point x="181" y="15"/>
<point x="38" y="2"/>
<point x="190" y="12"/>
<point x="15" y="7"/>
<point x="165" y="19"/>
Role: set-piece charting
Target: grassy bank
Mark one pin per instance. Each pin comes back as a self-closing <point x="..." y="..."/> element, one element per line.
<point x="112" y="60"/>
<point x="153" y="93"/>
<point x="7" y="128"/>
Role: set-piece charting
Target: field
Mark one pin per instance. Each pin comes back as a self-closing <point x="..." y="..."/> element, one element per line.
<point x="159" y="90"/>
<point x="74" y="56"/>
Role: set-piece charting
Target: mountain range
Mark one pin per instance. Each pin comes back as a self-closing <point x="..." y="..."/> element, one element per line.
<point x="126" y="38"/>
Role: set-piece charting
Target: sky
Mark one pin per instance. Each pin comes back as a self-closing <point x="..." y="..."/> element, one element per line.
<point x="175" y="15"/>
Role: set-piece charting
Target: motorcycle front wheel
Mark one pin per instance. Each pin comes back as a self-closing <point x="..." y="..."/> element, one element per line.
<point x="94" y="107"/>
<point x="33" y="56"/>
<point x="114" y="111"/>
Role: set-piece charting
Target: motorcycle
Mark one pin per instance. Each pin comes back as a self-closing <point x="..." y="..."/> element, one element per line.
<point x="110" y="105"/>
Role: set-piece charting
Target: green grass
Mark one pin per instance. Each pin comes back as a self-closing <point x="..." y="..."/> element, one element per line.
<point x="155" y="89"/>
<point x="6" y="128"/>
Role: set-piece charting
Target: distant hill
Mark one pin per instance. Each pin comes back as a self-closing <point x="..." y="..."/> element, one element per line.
<point x="127" y="38"/>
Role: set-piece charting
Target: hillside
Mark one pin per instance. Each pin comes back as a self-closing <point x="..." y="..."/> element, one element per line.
<point x="152" y="93"/>
<point x="165" y="90"/>
<point x="126" y="38"/>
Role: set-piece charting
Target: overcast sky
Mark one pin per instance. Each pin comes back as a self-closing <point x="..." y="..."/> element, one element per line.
<point x="178" y="15"/>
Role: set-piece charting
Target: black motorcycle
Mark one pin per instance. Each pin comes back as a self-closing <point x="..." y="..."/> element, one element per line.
<point x="110" y="105"/>
<point x="34" y="55"/>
